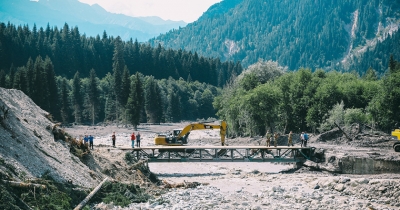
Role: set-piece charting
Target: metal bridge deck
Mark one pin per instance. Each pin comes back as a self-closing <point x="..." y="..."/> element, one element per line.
<point x="222" y="153"/>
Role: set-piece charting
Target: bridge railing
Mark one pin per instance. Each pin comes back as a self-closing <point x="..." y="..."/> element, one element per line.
<point x="222" y="154"/>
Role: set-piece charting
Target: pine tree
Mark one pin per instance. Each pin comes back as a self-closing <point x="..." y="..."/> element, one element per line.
<point x="135" y="102"/>
<point x="174" y="110"/>
<point x="77" y="98"/>
<point x="93" y="95"/>
<point x="20" y="81"/>
<point x="40" y="94"/>
<point x="65" y="110"/>
<point x="2" y="78"/>
<point x="10" y="79"/>
<point x="392" y="64"/>
<point x="153" y="102"/>
<point x="125" y="86"/>
<point x="51" y="87"/>
<point x="29" y="77"/>
<point x="118" y="66"/>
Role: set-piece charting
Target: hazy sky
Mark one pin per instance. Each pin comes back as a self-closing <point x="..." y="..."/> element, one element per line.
<point x="186" y="10"/>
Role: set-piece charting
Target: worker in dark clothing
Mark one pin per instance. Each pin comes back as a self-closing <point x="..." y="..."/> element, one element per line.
<point x="113" y="138"/>
<point x="86" y="140"/>
<point x="133" y="138"/>
<point x="138" y="139"/>
<point x="305" y="139"/>
<point x="91" y="141"/>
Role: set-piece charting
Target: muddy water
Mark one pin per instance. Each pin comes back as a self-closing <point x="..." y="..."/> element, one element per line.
<point x="358" y="165"/>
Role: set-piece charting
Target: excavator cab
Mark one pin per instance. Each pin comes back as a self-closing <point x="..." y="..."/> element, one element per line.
<point x="176" y="132"/>
<point x="171" y="139"/>
<point x="180" y="136"/>
<point x="396" y="146"/>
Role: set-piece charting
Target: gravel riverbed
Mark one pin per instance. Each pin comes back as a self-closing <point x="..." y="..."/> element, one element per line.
<point x="240" y="186"/>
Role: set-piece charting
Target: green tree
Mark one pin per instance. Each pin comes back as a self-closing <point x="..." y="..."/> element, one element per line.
<point x="118" y="67"/>
<point x="392" y="64"/>
<point x="11" y="75"/>
<point x="2" y="78"/>
<point x="153" y="101"/>
<point x="65" y="108"/>
<point x="125" y="86"/>
<point x="51" y="87"/>
<point x="370" y="75"/>
<point x="135" y="102"/>
<point x="93" y="95"/>
<point x="174" y="109"/>
<point x="77" y="100"/>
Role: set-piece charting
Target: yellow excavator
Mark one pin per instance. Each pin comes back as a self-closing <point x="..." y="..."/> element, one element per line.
<point x="179" y="137"/>
<point x="396" y="146"/>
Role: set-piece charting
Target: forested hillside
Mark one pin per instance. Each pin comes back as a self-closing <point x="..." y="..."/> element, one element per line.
<point x="70" y="52"/>
<point x="90" y="79"/>
<point x="305" y="33"/>
<point x="265" y="96"/>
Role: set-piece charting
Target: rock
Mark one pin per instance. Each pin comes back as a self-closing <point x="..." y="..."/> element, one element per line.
<point x="344" y="179"/>
<point x="316" y="187"/>
<point x="373" y="181"/>
<point x="256" y="208"/>
<point x="382" y="189"/>
<point x="339" y="187"/>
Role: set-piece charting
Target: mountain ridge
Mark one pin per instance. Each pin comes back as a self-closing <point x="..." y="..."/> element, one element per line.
<point x="91" y="19"/>
<point x="306" y="33"/>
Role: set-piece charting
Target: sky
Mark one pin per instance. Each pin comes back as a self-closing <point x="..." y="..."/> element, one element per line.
<point x="186" y="10"/>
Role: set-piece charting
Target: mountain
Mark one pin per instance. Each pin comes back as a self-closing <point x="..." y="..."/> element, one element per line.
<point x="304" y="33"/>
<point x="91" y="20"/>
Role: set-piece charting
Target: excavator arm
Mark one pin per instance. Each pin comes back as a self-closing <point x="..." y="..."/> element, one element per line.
<point x="202" y="126"/>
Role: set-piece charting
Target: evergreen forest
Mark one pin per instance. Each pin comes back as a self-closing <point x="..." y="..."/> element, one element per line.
<point x="343" y="35"/>
<point x="91" y="79"/>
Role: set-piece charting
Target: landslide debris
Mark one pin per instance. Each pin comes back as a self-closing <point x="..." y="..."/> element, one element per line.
<point x="35" y="151"/>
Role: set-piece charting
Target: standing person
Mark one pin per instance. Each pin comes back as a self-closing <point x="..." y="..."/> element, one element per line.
<point x="133" y="139"/>
<point x="113" y="138"/>
<point x="305" y="139"/>
<point x="290" y="139"/>
<point x="302" y="139"/>
<point x="86" y="140"/>
<point x="138" y="139"/>
<point x="91" y="141"/>
<point x="268" y="139"/>
<point x="276" y="136"/>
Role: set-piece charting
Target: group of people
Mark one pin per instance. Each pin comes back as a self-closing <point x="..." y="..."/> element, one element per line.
<point x="269" y="136"/>
<point x="303" y="138"/>
<point x="137" y="138"/>
<point x="133" y="138"/>
<point x="88" y="141"/>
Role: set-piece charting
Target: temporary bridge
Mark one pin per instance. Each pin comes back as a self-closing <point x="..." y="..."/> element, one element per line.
<point x="222" y="153"/>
